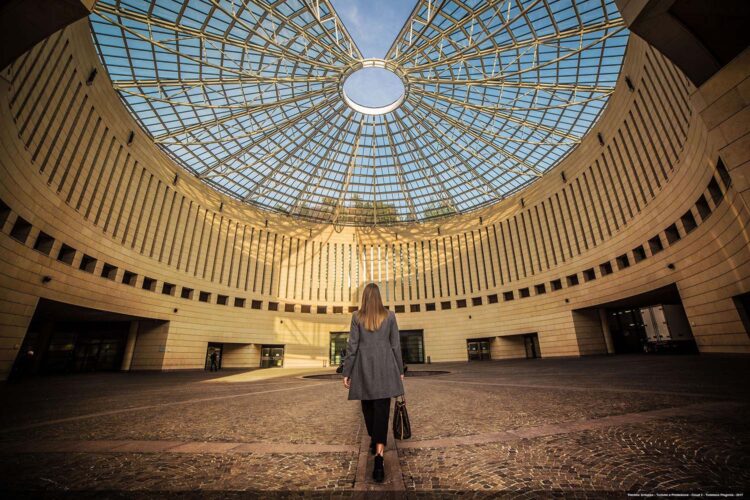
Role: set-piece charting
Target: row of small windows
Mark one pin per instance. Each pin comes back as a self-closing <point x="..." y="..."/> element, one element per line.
<point x="66" y="254"/>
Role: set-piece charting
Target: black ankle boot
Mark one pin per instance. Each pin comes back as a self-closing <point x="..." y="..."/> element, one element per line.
<point x="372" y="447"/>
<point x="378" y="472"/>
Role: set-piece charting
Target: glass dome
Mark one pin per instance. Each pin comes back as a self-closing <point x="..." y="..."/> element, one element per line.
<point x="249" y="96"/>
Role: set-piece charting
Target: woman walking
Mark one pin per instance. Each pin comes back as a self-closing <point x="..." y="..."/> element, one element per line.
<point x="373" y="369"/>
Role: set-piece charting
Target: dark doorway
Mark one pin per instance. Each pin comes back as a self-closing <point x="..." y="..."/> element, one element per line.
<point x="272" y="356"/>
<point x="531" y="344"/>
<point x="337" y="349"/>
<point x="214" y="348"/>
<point x="64" y="338"/>
<point x="478" y="349"/>
<point x="654" y="328"/>
<point x="412" y="346"/>
<point x="653" y="321"/>
<point x="627" y="329"/>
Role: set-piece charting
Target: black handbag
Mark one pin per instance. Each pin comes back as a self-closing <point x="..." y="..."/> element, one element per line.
<point x="401" y="425"/>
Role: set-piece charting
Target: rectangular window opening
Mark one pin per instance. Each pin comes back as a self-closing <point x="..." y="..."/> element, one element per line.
<point x="688" y="221"/>
<point x="556" y="285"/>
<point x="239" y="302"/>
<point x="742" y="303"/>
<point x="702" y="206"/>
<point x="414" y="308"/>
<point x="605" y="268"/>
<point x="672" y="234"/>
<point x="307" y="309"/>
<point x="321" y="309"/>
<point x="148" y="284"/>
<point x="655" y="245"/>
<point x="724" y="173"/>
<point x="476" y="301"/>
<point x="109" y="271"/>
<point x="460" y="303"/>
<point x="507" y="296"/>
<point x="572" y="280"/>
<point x="257" y="304"/>
<point x="715" y="191"/>
<point x="400" y="309"/>
<point x="492" y="299"/>
<point x="44" y="243"/>
<point x="639" y="253"/>
<point x="540" y="289"/>
<point x="524" y="293"/>
<point x="186" y="293"/>
<point x="66" y="254"/>
<point x="129" y="278"/>
<point x="168" y="289"/>
<point x="430" y="306"/>
<point x="21" y="229"/>
<point x="273" y="306"/>
<point x="88" y="263"/>
<point x="622" y="262"/>
<point x="589" y="274"/>
<point x="289" y="308"/>
<point x="445" y="305"/>
<point x="222" y="300"/>
<point x="4" y="213"/>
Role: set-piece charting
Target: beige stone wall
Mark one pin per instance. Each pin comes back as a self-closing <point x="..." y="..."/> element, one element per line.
<point x="67" y="168"/>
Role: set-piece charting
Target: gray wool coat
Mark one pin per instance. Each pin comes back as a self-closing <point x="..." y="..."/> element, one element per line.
<point x="373" y="360"/>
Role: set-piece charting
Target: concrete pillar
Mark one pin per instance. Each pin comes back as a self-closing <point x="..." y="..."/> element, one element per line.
<point x="127" y="358"/>
<point x="41" y="346"/>
<point x="606" y="332"/>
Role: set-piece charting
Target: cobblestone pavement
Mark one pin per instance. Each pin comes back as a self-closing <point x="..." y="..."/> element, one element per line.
<point x="571" y="428"/>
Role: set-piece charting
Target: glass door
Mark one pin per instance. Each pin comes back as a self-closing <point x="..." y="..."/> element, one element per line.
<point x="478" y="349"/>
<point x="338" y="347"/>
<point x="531" y="343"/>
<point x="412" y="346"/>
<point x="272" y="356"/>
<point x="214" y="348"/>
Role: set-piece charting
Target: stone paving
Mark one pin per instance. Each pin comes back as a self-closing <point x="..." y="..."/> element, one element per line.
<point x="570" y="428"/>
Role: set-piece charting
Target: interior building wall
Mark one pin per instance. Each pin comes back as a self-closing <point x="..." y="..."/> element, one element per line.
<point x="510" y="347"/>
<point x="240" y="355"/>
<point x="639" y="204"/>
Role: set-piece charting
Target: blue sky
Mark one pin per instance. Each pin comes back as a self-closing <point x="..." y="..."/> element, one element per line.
<point x="374" y="25"/>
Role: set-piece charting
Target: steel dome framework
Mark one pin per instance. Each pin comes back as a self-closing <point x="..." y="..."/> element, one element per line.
<point x="248" y="96"/>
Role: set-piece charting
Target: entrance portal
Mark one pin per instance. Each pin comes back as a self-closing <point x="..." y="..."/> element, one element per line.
<point x="65" y="338"/>
<point x="337" y="349"/>
<point x="412" y="346"/>
<point x="478" y="349"/>
<point x="531" y="344"/>
<point x="214" y="348"/>
<point x="272" y="356"/>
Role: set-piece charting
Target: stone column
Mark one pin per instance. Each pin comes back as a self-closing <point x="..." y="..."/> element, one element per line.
<point x="129" y="346"/>
<point x="606" y="332"/>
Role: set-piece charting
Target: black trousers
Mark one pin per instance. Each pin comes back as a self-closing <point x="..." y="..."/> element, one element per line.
<point x="376" y="413"/>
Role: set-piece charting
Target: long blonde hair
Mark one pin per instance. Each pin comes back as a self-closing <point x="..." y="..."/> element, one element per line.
<point x="372" y="313"/>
